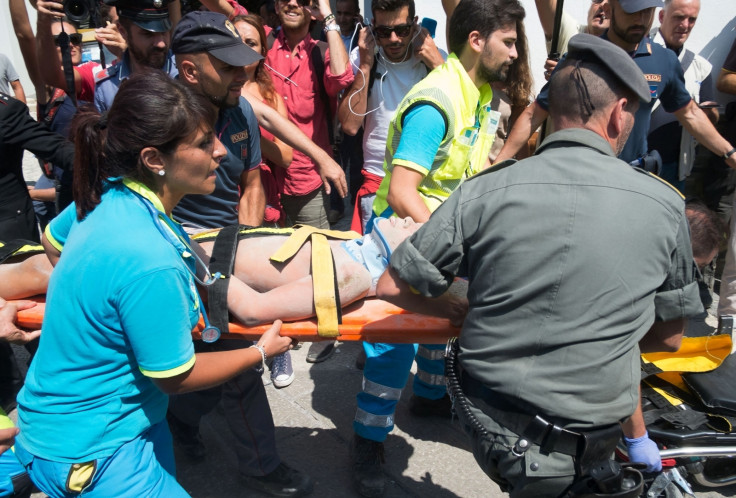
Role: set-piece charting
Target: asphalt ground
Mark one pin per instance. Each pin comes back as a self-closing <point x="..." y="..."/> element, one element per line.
<point x="313" y="418"/>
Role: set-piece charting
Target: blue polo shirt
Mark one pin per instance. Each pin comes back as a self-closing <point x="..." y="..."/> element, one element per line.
<point x="120" y="308"/>
<point x="237" y="129"/>
<point x="666" y="82"/>
<point x="107" y="81"/>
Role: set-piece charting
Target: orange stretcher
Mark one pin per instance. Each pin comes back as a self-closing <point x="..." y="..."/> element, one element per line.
<point x="370" y="320"/>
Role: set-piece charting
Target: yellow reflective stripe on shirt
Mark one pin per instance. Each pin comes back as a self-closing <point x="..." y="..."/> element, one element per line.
<point x="173" y="372"/>
<point x="144" y="192"/>
<point x="51" y="240"/>
<point x="410" y="165"/>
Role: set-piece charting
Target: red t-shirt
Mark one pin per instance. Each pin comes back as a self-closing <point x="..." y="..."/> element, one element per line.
<point x="301" y="93"/>
<point x="87" y="73"/>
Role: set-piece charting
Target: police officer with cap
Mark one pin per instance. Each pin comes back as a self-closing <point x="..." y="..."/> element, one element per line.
<point x="576" y="262"/>
<point x="145" y="26"/>
<point x="211" y="57"/>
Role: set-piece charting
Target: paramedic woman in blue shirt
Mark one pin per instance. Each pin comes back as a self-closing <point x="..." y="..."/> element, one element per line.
<point x="122" y="301"/>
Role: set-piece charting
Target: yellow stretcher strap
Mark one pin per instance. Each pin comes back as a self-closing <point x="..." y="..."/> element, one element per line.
<point x="301" y="235"/>
<point x="324" y="281"/>
<point x="243" y="232"/>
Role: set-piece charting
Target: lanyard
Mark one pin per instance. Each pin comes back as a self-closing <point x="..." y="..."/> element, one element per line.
<point x="170" y="233"/>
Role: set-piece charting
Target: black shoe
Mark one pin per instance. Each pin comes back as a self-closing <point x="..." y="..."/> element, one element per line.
<point x="367" y="457"/>
<point x="187" y="437"/>
<point x="360" y="360"/>
<point x="320" y="351"/>
<point x="424" y="407"/>
<point x="284" y="481"/>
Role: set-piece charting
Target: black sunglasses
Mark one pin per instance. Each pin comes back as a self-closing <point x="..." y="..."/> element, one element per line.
<point x="402" y="30"/>
<point x="74" y="39"/>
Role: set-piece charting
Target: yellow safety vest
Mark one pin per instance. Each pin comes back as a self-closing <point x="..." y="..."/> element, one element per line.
<point x="466" y="143"/>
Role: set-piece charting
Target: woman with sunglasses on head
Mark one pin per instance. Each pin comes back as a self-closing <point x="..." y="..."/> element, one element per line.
<point x="276" y="153"/>
<point x="122" y="301"/>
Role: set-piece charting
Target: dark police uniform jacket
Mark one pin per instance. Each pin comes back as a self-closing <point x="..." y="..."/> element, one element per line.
<point x="19" y="131"/>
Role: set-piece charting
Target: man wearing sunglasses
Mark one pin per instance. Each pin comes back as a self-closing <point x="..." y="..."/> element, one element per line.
<point x="51" y="24"/>
<point x="393" y="54"/>
<point x="438" y="137"/>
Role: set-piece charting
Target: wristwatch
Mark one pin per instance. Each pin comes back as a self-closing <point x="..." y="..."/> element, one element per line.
<point x="332" y="27"/>
<point x="725" y="156"/>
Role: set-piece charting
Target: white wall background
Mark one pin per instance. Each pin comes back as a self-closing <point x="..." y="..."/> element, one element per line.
<point x="712" y="37"/>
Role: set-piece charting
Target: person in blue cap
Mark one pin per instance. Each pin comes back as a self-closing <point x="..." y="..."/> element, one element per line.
<point x="145" y="26"/>
<point x="576" y="262"/>
<point x="211" y="58"/>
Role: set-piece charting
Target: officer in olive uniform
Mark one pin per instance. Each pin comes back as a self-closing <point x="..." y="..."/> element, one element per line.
<point x="575" y="261"/>
<point x="151" y="49"/>
<point x="19" y="131"/>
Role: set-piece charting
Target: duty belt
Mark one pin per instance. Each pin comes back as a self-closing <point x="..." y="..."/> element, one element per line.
<point x="584" y="446"/>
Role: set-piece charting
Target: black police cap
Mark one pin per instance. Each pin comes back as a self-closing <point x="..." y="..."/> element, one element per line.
<point x="204" y="31"/>
<point x="592" y="48"/>
<point x="151" y="15"/>
<point x="631" y="6"/>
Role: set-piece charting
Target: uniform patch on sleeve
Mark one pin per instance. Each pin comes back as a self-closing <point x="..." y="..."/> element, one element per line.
<point x="239" y="137"/>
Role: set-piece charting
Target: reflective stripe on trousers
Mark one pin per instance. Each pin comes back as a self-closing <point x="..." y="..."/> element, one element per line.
<point x="429" y="382"/>
<point x="385" y="374"/>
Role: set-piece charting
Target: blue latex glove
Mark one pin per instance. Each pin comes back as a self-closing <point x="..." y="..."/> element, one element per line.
<point x="644" y="450"/>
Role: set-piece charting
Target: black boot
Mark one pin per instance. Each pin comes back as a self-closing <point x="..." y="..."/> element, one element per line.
<point x="367" y="474"/>
<point x="424" y="407"/>
<point x="283" y="481"/>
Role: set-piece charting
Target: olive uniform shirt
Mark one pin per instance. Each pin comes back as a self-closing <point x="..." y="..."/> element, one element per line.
<point x="571" y="256"/>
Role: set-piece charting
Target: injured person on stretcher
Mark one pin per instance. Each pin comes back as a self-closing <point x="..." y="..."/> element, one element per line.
<point x="262" y="290"/>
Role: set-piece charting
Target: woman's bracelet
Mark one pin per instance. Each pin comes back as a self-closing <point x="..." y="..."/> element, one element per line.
<point x="264" y="357"/>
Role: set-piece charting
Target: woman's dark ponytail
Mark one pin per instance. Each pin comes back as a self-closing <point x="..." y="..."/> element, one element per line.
<point x="89" y="131"/>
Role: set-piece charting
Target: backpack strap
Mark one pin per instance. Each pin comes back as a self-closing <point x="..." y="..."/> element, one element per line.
<point x="319" y="50"/>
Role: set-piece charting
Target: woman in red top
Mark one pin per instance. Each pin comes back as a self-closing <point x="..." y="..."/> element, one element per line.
<point x="276" y="154"/>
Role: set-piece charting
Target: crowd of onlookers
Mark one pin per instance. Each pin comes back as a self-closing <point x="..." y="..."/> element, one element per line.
<point x="328" y="110"/>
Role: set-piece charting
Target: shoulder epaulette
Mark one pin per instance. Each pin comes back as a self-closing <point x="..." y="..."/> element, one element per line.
<point x="494" y="168"/>
<point x="659" y="179"/>
<point x="107" y="73"/>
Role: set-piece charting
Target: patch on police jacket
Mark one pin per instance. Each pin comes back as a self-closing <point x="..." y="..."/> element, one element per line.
<point x="653" y="77"/>
<point x="239" y="137"/>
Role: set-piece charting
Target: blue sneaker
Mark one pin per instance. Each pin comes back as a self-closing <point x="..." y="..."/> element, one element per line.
<point x="282" y="373"/>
